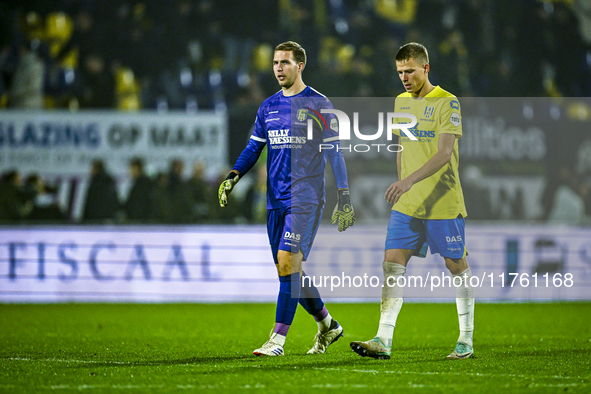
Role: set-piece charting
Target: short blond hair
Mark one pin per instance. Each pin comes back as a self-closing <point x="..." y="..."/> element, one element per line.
<point x="413" y="50"/>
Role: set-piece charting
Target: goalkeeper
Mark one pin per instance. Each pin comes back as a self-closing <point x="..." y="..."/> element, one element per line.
<point x="295" y="190"/>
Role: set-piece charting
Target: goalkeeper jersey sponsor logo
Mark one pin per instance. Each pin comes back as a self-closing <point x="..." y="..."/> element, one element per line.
<point x="282" y="137"/>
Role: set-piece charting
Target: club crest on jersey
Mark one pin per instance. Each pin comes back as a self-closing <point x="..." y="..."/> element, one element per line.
<point x="454" y="104"/>
<point x="429" y="111"/>
<point x="302" y="114"/>
<point x="292" y="236"/>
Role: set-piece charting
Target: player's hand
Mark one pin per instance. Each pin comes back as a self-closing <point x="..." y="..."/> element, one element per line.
<point x="397" y="189"/>
<point x="226" y="188"/>
<point x="343" y="213"/>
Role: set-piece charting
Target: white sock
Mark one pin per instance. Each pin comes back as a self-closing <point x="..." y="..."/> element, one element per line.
<point x="391" y="301"/>
<point x="385" y="333"/>
<point x="278" y="339"/>
<point x="324" y="324"/>
<point x="465" y="306"/>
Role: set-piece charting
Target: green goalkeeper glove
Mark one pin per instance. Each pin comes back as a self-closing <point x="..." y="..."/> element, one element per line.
<point x="226" y="188"/>
<point x="343" y="213"/>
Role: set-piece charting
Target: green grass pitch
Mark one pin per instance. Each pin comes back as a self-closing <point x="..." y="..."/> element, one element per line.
<point x="190" y="347"/>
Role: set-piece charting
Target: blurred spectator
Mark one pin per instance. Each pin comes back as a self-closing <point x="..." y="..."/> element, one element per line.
<point x="162" y="207"/>
<point x="396" y="15"/>
<point x="568" y="206"/>
<point x="45" y="205"/>
<point x="476" y="196"/>
<point x="102" y="202"/>
<point x="95" y="84"/>
<point x="238" y="44"/>
<point x="139" y="206"/>
<point x="585" y="193"/>
<point x="568" y="49"/>
<point x="13" y="203"/>
<point x="200" y="192"/>
<point x="27" y="84"/>
<point x="454" y="56"/>
<point x="127" y="90"/>
<point x="84" y="39"/>
<point x="62" y="62"/>
<point x="178" y="194"/>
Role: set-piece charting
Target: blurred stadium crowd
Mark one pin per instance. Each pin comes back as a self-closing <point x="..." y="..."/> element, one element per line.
<point x="191" y="55"/>
<point x="204" y="54"/>
<point x="165" y="198"/>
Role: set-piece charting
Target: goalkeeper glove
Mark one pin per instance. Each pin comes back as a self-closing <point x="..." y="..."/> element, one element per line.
<point x="226" y="188"/>
<point x="343" y="213"/>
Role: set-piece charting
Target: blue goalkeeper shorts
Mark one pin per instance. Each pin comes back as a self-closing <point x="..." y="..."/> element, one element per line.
<point x="293" y="228"/>
<point x="443" y="236"/>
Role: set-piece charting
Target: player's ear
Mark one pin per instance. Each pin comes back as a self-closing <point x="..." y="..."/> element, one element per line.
<point x="427" y="68"/>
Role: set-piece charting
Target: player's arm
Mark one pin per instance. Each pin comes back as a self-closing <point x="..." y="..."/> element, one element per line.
<point x="343" y="213"/>
<point x="245" y="162"/>
<point x="434" y="164"/>
<point x="397" y="134"/>
<point x="399" y="162"/>
<point x="247" y="158"/>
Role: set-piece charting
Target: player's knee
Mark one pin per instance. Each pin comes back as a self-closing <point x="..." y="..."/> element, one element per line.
<point x="393" y="269"/>
<point x="456" y="266"/>
<point x="288" y="263"/>
<point x="398" y="256"/>
<point x="283" y="263"/>
<point x="283" y="270"/>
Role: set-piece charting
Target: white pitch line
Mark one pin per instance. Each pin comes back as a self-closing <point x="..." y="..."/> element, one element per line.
<point x="130" y="363"/>
<point x="57" y="360"/>
<point x="483" y="375"/>
<point x="121" y="387"/>
<point x="192" y="387"/>
<point x="338" y="386"/>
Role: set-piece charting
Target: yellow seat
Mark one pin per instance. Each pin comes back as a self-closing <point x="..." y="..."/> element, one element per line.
<point x="127" y="90"/>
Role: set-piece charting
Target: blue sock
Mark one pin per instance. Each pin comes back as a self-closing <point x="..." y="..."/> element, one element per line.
<point x="287" y="301"/>
<point x="310" y="299"/>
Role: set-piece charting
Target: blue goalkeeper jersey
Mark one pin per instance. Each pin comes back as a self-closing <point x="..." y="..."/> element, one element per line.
<point x="295" y="163"/>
